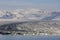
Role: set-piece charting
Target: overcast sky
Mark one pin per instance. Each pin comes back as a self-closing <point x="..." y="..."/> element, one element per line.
<point x="41" y="4"/>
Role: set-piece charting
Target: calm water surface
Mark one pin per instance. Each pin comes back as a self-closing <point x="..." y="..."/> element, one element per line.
<point x="18" y="37"/>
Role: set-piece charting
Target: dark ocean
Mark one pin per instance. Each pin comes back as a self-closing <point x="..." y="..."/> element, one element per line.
<point x="20" y="37"/>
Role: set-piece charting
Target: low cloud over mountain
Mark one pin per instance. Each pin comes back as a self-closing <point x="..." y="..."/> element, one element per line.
<point x="29" y="14"/>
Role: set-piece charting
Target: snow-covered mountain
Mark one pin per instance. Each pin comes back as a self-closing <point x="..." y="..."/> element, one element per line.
<point x="29" y="14"/>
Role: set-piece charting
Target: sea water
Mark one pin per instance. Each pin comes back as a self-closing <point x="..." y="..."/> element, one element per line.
<point x="20" y="37"/>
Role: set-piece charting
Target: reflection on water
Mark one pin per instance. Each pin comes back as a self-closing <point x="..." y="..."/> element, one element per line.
<point x="20" y="37"/>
